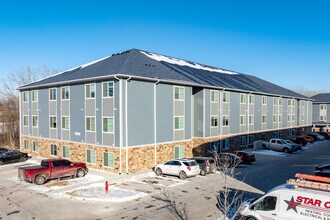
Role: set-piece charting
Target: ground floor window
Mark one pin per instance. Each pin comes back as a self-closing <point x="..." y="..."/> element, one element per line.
<point x="35" y="146"/>
<point x="66" y="152"/>
<point x="225" y="144"/>
<point x="263" y="136"/>
<point x="251" y="139"/>
<point x="178" y="152"/>
<point x="53" y="150"/>
<point x="243" y="141"/>
<point x="280" y="134"/>
<point x="26" y="145"/>
<point x="108" y="160"/>
<point x="275" y="134"/>
<point x="91" y="156"/>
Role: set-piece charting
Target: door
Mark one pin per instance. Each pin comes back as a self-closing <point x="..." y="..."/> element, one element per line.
<point x="267" y="208"/>
<point x="167" y="168"/>
<point x="67" y="169"/>
<point x="56" y="169"/>
<point x="175" y="169"/>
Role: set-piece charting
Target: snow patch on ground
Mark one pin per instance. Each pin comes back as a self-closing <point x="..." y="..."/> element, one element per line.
<point x="185" y="63"/>
<point x="96" y="192"/>
<point x="270" y="153"/>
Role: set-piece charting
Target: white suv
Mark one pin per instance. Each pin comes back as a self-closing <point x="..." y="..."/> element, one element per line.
<point x="182" y="168"/>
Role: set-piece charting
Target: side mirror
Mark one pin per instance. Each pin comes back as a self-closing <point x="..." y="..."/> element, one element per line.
<point x="71" y="164"/>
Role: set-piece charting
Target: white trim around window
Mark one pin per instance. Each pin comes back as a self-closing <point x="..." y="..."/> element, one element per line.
<point x="25" y="97"/>
<point x="181" y="122"/>
<point x="263" y="119"/>
<point x="65" y="93"/>
<point x="214" y="96"/>
<point x="226" y="97"/>
<point x="106" y="91"/>
<point x="225" y="118"/>
<point x="108" y="128"/>
<point x="52" y="92"/>
<point x="251" y="119"/>
<point x="35" y="123"/>
<point x="65" y="124"/>
<point x="90" y="156"/>
<point x="214" y="120"/>
<point x="91" y="129"/>
<point x="25" y="121"/>
<point x="180" y="96"/>
<point x="92" y="91"/>
<point x="34" y="95"/>
<point x="242" y="120"/>
<point x="52" y="116"/>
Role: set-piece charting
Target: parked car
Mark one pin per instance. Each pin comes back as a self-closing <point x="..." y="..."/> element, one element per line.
<point x="309" y="139"/>
<point x="246" y="157"/>
<point x="182" y="168"/>
<point x="296" y="146"/>
<point x="2" y="150"/>
<point x="206" y="165"/>
<point x="317" y="137"/>
<point x="13" y="156"/>
<point x="324" y="134"/>
<point x="52" y="169"/>
<point x="322" y="170"/>
<point x="280" y="145"/>
<point x="300" y="140"/>
<point x="228" y="160"/>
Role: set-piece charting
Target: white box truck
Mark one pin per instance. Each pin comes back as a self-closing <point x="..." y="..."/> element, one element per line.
<point x="290" y="201"/>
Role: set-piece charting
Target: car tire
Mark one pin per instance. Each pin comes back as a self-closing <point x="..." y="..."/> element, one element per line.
<point x="286" y="150"/>
<point x="159" y="172"/>
<point x="39" y="180"/>
<point x="22" y="159"/>
<point x="203" y="173"/>
<point x="182" y="175"/>
<point x="80" y="173"/>
<point x="250" y="218"/>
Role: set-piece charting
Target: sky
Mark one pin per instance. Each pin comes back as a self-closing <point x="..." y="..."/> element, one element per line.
<point x="282" y="41"/>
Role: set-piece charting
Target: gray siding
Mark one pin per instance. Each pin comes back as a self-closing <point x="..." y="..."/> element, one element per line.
<point x="77" y="117"/>
<point x="98" y="119"/>
<point x="43" y="112"/>
<point x="140" y="113"/>
<point x="117" y="112"/>
<point x="198" y="112"/>
<point x="187" y="108"/>
<point x="257" y="112"/>
<point x="285" y="113"/>
<point x="207" y="113"/>
<point x="270" y="112"/>
<point x="234" y="113"/>
<point x="164" y="113"/>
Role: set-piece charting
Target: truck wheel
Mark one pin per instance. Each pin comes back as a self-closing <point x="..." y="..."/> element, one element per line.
<point x="250" y="218"/>
<point x="39" y="180"/>
<point x="182" y="175"/>
<point x="159" y="172"/>
<point x="203" y="172"/>
<point x="80" y="173"/>
<point x="286" y="150"/>
<point x="22" y="159"/>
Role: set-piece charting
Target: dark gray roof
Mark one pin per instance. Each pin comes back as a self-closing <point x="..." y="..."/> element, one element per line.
<point x="138" y="63"/>
<point x="322" y="97"/>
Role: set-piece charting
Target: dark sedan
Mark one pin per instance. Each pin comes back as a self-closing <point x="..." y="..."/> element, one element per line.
<point x="13" y="156"/>
<point x="322" y="170"/>
<point x="2" y="150"/>
<point x="246" y="157"/>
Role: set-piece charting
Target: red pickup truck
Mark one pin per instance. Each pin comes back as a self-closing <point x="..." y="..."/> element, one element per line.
<point x="52" y="169"/>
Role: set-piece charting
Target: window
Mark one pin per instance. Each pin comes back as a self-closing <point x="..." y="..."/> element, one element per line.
<point x="264" y="119"/>
<point x="91" y="156"/>
<point x="214" y="96"/>
<point x="34" y="95"/>
<point x="90" y="91"/>
<point x="52" y="121"/>
<point x="243" y="98"/>
<point x="108" y="160"/>
<point x="280" y="134"/>
<point x="289" y="118"/>
<point x="225" y="144"/>
<point x="53" y="150"/>
<point x="289" y="102"/>
<point x="243" y="141"/>
<point x="251" y="99"/>
<point x="26" y="145"/>
<point x="293" y="117"/>
<point x="66" y="152"/>
<point x="264" y="100"/>
<point x="52" y="94"/>
<point x="65" y="93"/>
<point x="107" y="89"/>
<point x="34" y="121"/>
<point x="274" y="135"/>
<point x="274" y="101"/>
<point x="263" y="136"/>
<point x="302" y="117"/>
<point x="178" y="93"/>
<point x="214" y="121"/>
<point x="275" y="118"/>
<point x="108" y="125"/>
<point x="90" y="123"/>
<point x="323" y="118"/>
<point x="65" y="122"/>
<point x="251" y="119"/>
<point x="243" y="120"/>
<point x="225" y="120"/>
<point x="302" y="104"/>
<point x="178" y="152"/>
<point x="280" y="118"/>
<point x="251" y="139"/>
<point x="280" y="101"/>
<point x="179" y="122"/>
<point x="226" y="97"/>
<point x="25" y="96"/>
<point x="323" y="107"/>
<point x="25" y="120"/>
<point x="266" y="204"/>
<point x="35" y="146"/>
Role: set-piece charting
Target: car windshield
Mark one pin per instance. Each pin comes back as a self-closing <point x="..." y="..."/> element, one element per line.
<point x="190" y="163"/>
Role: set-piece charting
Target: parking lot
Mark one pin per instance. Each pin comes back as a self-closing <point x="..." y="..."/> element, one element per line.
<point x="144" y="195"/>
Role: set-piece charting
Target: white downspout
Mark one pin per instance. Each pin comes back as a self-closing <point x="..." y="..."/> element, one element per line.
<point x="155" y="122"/>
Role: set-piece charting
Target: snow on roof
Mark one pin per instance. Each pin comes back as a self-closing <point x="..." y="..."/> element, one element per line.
<point x="176" y="61"/>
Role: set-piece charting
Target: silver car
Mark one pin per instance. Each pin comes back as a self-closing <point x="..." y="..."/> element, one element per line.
<point x="182" y="168"/>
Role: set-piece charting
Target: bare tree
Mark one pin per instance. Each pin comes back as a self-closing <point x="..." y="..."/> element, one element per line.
<point x="9" y="101"/>
<point x="307" y="92"/>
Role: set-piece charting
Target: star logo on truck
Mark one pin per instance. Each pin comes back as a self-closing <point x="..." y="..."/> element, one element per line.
<point x="292" y="204"/>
